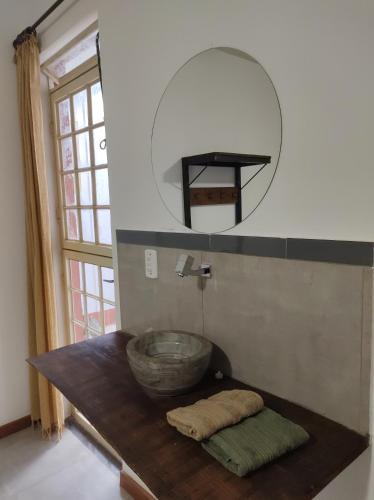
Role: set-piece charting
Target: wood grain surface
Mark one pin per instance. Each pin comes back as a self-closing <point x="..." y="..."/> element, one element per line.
<point x="95" y="376"/>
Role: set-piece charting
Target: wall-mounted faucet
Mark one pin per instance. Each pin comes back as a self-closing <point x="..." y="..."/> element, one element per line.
<point x="184" y="267"/>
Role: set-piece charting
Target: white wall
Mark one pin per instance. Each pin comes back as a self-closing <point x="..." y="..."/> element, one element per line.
<point x="318" y="55"/>
<point x="14" y="393"/>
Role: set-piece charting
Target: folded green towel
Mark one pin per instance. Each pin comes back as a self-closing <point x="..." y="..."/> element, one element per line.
<point x="255" y="441"/>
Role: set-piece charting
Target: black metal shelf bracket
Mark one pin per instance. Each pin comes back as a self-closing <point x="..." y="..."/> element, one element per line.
<point x="253" y="176"/>
<point x="198" y="175"/>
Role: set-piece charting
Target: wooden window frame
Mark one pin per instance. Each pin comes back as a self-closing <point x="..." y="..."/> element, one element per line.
<point x="59" y="82"/>
<point x="83" y="75"/>
<point x="96" y="260"/>
<point x="85" y="80"/>
<point x="101" y="255"/>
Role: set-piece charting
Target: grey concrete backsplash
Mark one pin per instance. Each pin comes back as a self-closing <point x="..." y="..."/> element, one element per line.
<point x="298" y="329"/>
<point x="168" y="302"/>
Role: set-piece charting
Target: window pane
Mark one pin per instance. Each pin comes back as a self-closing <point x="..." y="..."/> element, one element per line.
<point x="76" y="276"/>
<point x="97" y="103"/>
<point x="88" y="227"/>
<point x="85" y="188"/>
<point x="100" y="154"/>
<point x="67" y="157"/>
<point x="83" y="150"/>
<point x="72" y="229"/>
<point x="69" y="190"/>
<point x="109" y="318"/>
<point x="102" y="187"/>
<point x="74" y="57"/>
<point x="93" y="314"/>
<point x="79" y="333"/>
<point x="107" y="276"/>
<point x="78" y="306"/>
<point x="103" y="222"/>
<point x="91" y="273"/>
<point x="64" y="116"/>
<point x="80" y="110"/>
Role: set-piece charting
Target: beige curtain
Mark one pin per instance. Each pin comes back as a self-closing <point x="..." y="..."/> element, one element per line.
<point x="46" y="403"/>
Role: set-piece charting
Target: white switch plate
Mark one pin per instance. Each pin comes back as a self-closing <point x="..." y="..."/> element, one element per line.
<point x="151" y="266"/>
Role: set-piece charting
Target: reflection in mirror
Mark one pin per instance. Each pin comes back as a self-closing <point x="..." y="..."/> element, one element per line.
<point x="223" y="102"/>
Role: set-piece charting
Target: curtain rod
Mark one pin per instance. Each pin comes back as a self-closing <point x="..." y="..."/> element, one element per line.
<point x="31" y="29"/>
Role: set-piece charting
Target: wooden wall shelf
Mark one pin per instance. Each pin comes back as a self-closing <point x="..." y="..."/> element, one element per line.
<point x="216" y="195"/>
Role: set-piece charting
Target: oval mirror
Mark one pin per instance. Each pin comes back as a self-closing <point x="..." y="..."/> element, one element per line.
<point x="216" y="140"/>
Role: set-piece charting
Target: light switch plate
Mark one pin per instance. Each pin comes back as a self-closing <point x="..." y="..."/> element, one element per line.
<point x="151" y="265"/>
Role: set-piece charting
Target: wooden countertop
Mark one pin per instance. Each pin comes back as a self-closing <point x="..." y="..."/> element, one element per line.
<point x="95" y="376"/>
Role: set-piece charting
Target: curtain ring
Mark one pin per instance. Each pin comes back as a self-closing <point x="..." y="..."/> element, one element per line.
<point x="103" y="144"/>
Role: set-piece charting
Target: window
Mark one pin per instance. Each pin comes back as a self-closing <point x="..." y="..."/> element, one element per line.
<point x="91" y="296"/>
<point x="84" y="204"/>
<point x="77" y="111"/>
<point x="77" y="53"/>
<point x="83" y="165"/>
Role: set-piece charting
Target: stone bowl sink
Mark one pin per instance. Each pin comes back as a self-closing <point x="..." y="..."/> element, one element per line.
<point x="168" y="362"/>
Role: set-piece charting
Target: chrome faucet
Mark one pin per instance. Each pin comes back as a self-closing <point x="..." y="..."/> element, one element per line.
<point x="184" y="267"/>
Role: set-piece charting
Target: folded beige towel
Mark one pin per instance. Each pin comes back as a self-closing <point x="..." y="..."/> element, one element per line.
<point x="207" y="416"/>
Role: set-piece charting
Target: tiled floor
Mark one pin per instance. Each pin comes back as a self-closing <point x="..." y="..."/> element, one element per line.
<point x="34" y="469"/>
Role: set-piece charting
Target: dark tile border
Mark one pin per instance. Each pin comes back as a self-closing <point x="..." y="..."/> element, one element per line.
<point x="187" y="241"/>
<point x="249" y="245"/>
<point x="357" y="253"/>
